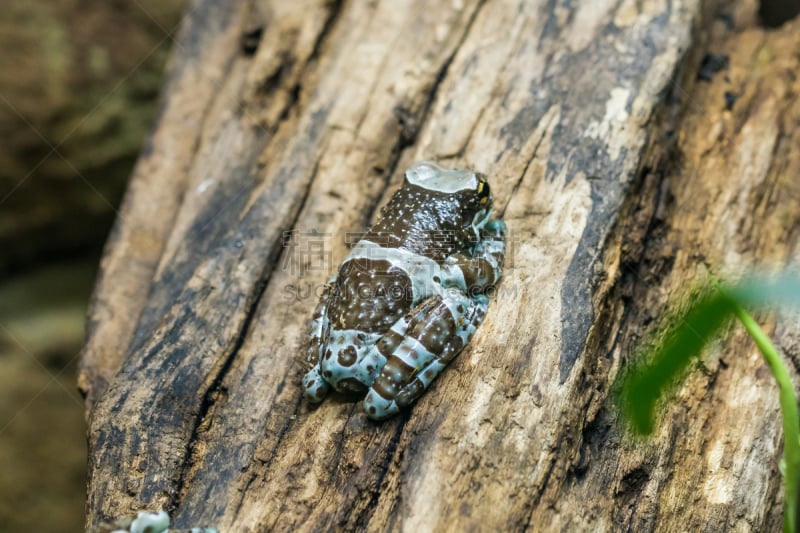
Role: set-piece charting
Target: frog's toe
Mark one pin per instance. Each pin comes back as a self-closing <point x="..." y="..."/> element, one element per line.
<point x="379" y="408"/>
<point x="496" y="226"/>
<point x="314" y="386"/>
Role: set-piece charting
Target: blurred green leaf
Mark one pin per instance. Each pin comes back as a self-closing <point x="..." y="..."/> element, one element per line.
<point x="647" y="383"/>
<point x="665" y="365"/>
<point x="663" y="368"/>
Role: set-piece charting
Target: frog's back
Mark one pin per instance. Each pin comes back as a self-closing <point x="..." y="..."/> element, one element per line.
<point x="401" y="259"/>
<point x="371" y="294"/>
<point x="421" y="221"/>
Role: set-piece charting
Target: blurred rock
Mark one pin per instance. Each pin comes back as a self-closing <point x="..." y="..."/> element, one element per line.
<point x="42" y="430"/>
<point x="77" y="97"/>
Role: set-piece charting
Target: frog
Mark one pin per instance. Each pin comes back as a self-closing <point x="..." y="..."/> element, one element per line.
<point x="411" y="292"/>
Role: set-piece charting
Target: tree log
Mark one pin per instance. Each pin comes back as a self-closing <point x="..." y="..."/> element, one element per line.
<point x="627" y="166"/>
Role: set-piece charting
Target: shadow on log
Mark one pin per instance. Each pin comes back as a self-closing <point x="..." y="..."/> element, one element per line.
<point x="621" y="178"/>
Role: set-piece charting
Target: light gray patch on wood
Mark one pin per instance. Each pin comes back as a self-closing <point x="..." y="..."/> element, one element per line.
<point x="571" y="84"/>
<point x="609" y="179"/>
<point x="206" y="18"/>
<point x="568" y="83"/>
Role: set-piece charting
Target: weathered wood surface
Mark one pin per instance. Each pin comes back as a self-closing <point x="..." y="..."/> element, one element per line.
<point x="621" y="180"/>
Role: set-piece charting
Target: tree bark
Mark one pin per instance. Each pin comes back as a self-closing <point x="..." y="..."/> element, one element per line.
<point x="623" y="175"/>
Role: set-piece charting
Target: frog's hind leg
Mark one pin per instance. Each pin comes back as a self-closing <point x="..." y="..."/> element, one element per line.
<point x="428" y="346"/>
<point x="314" y="385"/>
<point x="422" y="380"/>
<point x="350" y="360"/>
<point x="382" y="350"/>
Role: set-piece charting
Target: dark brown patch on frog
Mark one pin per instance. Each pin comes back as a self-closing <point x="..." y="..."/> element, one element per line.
<point x="328" y="353"/>
<point x="436" y="330"/>
<point x="391" y="378"/>
<point x="410" y="393"/>
<point x="429" y="374"/>
<point x="350" y="385"/>
<point x="390" y="340"/>
<point x="312" y="355"/>
<point x="426" y="216"/>
<point x="476" y="273"/>
<point x="452" y="349"/>
<point x="371" y="296"/>
<point x="347" y="356"/>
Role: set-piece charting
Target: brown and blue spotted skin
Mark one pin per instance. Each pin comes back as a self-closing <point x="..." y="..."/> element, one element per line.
<point x="410" y="294"/>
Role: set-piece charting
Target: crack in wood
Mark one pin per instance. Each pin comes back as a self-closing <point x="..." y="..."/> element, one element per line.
<point x="207" y="406"/>
<point x="363" y="519"/>
<point x="534" y="153"/>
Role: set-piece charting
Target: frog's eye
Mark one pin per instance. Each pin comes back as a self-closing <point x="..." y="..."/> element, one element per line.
<point x="483" y="191"/>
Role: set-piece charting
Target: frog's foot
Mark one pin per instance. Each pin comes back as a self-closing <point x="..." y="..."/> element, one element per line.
<point x="319" y="324"/>
<point x="429" y="344"/>
<point x="422" y="380"/>
<point x="314" y="386"/>
<point x="495" y="229"/>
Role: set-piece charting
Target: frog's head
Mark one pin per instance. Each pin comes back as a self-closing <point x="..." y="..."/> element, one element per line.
<point x="467" y="192"/>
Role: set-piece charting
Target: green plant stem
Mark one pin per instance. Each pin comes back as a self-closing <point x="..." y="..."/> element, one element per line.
<point x="791" y="420"/>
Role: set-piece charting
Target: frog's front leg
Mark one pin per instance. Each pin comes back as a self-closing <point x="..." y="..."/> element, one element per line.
<point x="431" y="341"/>
<point x="476" y="272"/>
<point x="314" y="386"/>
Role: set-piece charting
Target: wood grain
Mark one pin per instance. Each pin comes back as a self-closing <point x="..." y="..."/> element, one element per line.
<point x="621" y="179"/>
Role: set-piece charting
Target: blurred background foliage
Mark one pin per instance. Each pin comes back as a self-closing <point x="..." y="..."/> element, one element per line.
<point x="79" y="82"/>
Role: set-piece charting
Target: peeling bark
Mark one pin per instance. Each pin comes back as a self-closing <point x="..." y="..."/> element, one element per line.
<point x="621" y="177"/>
